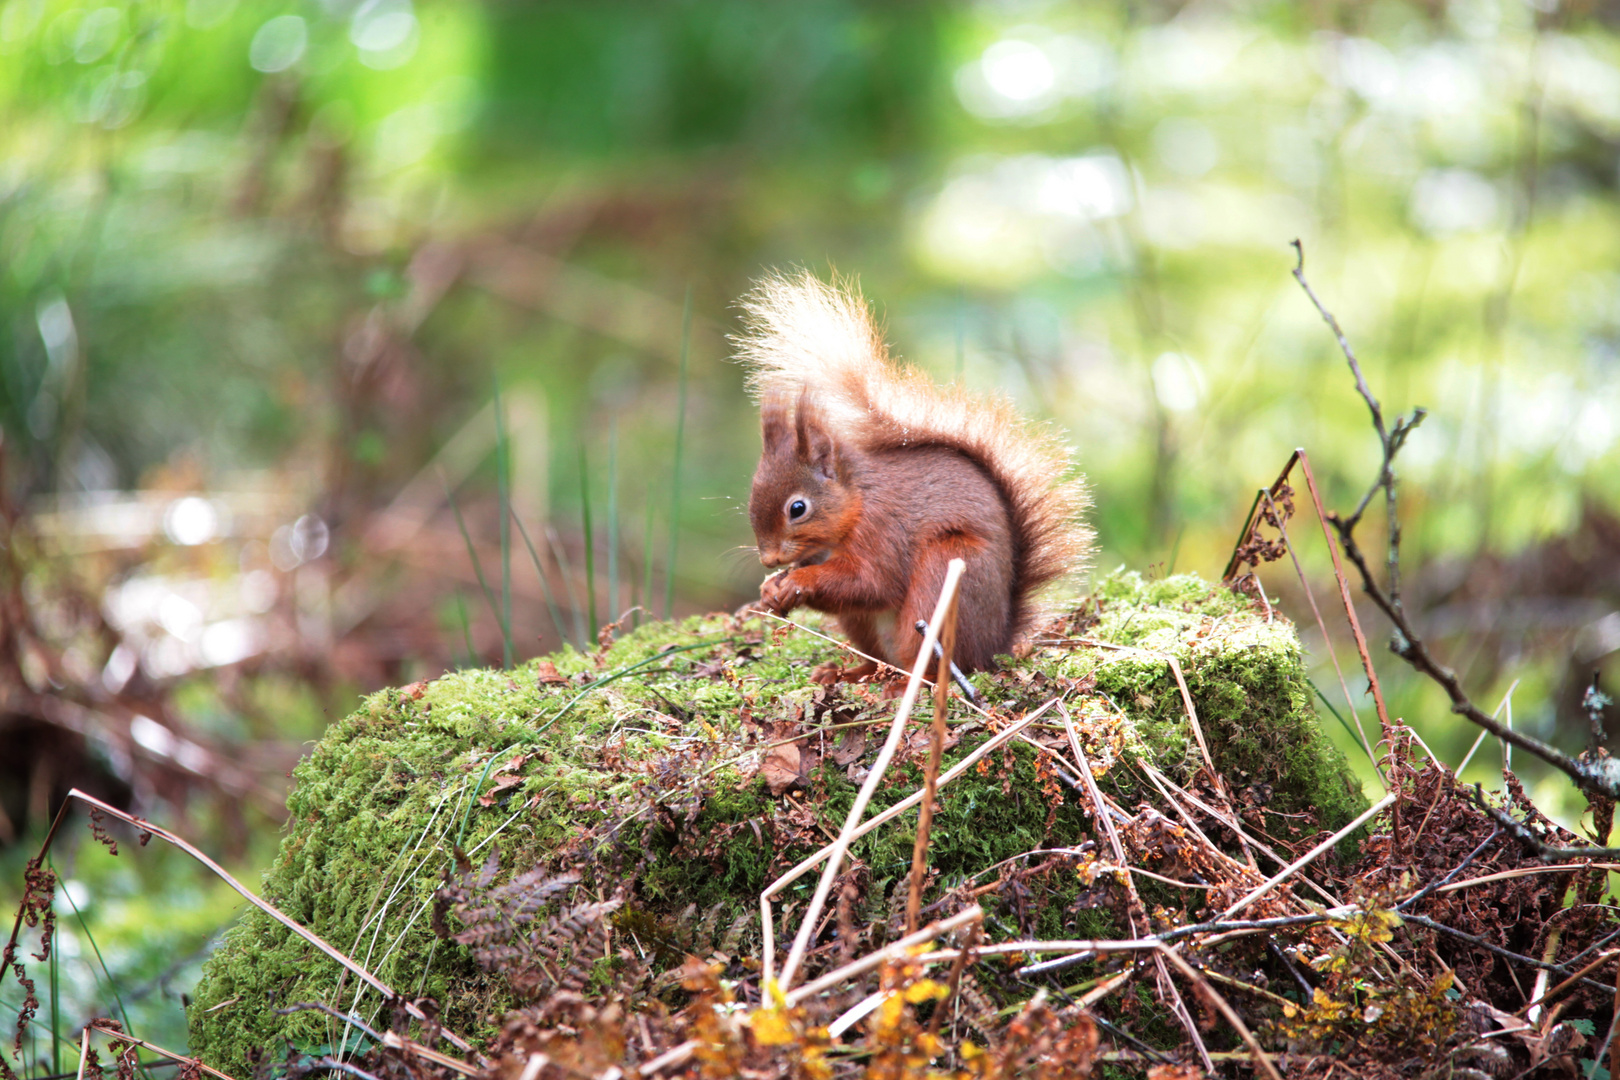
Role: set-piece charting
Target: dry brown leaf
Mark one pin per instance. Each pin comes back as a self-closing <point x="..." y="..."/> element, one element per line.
<point x="918" y="742"/>
<point x="1175" y="1072"/>
<point x="850" y="747"/>
<point x="502" y="782"/>
<point x="781" y="767"/>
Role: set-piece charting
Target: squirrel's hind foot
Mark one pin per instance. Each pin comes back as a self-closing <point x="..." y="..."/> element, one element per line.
<point x="831" y="673"/>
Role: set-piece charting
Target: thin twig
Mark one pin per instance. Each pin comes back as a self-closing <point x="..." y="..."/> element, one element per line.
<point x="1436" y="886"/>
<point x="954" y="984"/>
<point x="1533" y="843"/>
<point x="1481" y="943"/>
<point x="1608" y="1040"/>
<point x="1569" y="982"/>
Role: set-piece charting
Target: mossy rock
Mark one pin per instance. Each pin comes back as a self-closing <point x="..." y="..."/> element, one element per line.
<point x="649" y="783"/>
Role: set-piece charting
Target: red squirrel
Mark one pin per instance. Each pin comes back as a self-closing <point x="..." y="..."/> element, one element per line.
<point x="871" y="479"/>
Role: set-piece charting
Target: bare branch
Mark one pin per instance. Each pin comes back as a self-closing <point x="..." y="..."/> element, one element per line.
<point x="1596" y="776"/>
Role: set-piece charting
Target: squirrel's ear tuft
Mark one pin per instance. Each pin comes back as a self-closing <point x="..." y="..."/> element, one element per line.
<point x="776" y="425"/>
<point x="816" y="446"/>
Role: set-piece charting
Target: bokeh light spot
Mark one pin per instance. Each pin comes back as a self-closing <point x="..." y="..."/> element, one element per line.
<point x="279" y="44"/>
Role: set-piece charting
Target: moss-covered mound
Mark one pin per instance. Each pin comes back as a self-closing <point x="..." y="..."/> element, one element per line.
<point x="640" y="766"/>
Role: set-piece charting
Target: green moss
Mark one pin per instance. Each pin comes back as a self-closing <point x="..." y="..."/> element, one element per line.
<point x="646" y="783"/>
<point x="1248" y="684"/>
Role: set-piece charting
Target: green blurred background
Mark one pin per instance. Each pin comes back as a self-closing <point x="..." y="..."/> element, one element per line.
<point x="264" y="265"/>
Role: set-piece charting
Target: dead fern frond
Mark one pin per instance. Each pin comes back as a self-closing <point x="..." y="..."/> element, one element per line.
<point x="579" y="935"/>
<point x="509" y="934"/>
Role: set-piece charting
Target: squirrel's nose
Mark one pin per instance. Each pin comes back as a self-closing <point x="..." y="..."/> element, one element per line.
<point x="770" y="560"/>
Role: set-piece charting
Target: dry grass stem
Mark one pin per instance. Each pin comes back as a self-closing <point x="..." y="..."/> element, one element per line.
<point x="1191" y="712"/>
<point x="856" y="1013"/>
<point x="1526" y="871"/>
<point x="804" y="867"/>
<point x="143" y="1044"/>
<point x="669" y="1059"/>
<point x="1344" y="597"/>
<point x="846" y="646"/>
<point x="1530" y="1010"/>
<point x="1102" y="817"/>
<point x="1106" y="987"/>
<point x="1265" y="849"/>
<point x="1310" y="856"/>
<point x="1327" y="642"/>
<point x="1136" y="911"/>
<point x="936" y="747"/>
<point x="1191" y="825"/>
<point x="1261" y="1060"/>
<point x="835" y="858"/>
<point x="427" y="1053"/>
<point x="218" y="870"/>
<point x="892" y="951"/>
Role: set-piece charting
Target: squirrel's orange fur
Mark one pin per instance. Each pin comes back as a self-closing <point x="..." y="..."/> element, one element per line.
<point x="872" y="479"/>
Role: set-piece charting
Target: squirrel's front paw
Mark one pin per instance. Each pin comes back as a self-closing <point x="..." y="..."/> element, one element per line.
<point x="780" y="594"/>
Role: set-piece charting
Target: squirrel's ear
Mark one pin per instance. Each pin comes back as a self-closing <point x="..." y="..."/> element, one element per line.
<point x="815" y="443"/>
<point x="775" y="428"/>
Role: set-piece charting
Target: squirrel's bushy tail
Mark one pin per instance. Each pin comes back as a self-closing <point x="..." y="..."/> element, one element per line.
<point x="804" y="334"/>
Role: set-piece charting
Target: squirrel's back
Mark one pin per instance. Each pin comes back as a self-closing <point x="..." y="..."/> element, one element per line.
<point x="808" y="337"/>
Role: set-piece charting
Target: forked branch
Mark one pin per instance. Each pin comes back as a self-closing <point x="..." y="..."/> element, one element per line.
<point x="1598" y="776"/>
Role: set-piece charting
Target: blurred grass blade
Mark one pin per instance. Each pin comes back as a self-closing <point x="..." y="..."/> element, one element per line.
<point x="267" y="908"/>
<point x="112" y="984"/>
<point x="466" y="630"/>
<point x="472" y="552"/>
<point x="567" y="569"/>
<point x="503" y="493"/>
<point x="590" y="545"/>
<point x="545" y="582"/>
<point x="1336" y="714"/>
<point x="646" y="563"/>
<point x="675" y="480"/>
<point x="613" y="521"/>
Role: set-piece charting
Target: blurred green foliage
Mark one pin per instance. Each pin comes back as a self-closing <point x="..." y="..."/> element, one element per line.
<point x="1092" y="204"/>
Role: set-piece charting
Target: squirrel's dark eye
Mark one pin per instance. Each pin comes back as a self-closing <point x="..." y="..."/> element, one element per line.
<point x="797" y="509"/>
